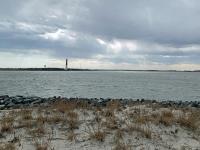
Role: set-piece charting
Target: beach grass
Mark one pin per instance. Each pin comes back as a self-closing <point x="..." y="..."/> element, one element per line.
<point x="116" y="126"/>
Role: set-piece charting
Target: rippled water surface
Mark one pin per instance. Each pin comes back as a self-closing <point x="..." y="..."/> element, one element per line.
<point x="119" y="84"/>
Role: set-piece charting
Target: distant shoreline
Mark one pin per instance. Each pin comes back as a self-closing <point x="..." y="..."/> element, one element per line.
<point x="76" y="69"/>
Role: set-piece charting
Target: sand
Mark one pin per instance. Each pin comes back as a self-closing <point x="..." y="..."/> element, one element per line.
<point x="68" y="126"/>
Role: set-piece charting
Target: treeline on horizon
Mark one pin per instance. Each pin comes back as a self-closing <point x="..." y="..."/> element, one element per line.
<point x="75" y="69"/>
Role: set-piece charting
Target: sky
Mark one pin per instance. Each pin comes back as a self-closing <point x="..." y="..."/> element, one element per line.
<point x="101" y="34"/>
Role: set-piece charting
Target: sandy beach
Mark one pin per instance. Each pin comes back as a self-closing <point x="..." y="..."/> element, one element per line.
<point x="112" y="126"/>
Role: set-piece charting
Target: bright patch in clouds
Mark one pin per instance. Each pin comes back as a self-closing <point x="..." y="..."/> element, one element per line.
<point x="54" y="35"/>
<point x="59" y="35"/>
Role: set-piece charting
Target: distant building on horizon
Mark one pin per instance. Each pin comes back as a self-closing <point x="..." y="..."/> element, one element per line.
<point x="66" y="64"/>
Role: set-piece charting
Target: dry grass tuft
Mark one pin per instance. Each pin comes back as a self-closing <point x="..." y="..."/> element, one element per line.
<point x="83" y="105"/>
<point x="8" y="119"/>
<point x="142" y="119"/>
<point x="6" y="127"/>
<point x="111" y="123"/>
<point x="7" y="146"/>
<point x="25" y="124"/>
<point x="37" y="132"/>
<point x="55" y="118"/>
<point x="64" y="106"/>
<point x="190" y="120"/>
<point x="71" y="136"/>
<point x="144" y="130"/>
<point x="114" y="105"/>
<point x="7" y="123"/>
<point x="72" y="119"/>
<point x="167" y="118"/>
<point x="122" y="146"/>
<point x="41" y="145"/>
<point x="26" y="114"/>
<point x="97" y="118"/>
<point x="119" y="134"/>
<point x="97" y="134"/>
<point x="72" y="115"/>
<point x="41" y="119"/>
<point x="108" y="113"/>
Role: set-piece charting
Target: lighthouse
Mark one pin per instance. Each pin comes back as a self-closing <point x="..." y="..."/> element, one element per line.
<point x="66" y="65"/>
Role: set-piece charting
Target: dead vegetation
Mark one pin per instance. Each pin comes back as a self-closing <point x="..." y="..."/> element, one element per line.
<point x="71" y="135"/>
<point x="67" y="106"/>
<point x="37" y="132"/>
<point x="167" y="118"/>
<point x="122" y="146"/>
<point x="41" y="145"/>
<point x="143" y="130"/>
<point x="55" y="119"/>
<point x="72" y="119"/>
<point x="190" y="120"/>
<point x="100" y="122"/>
<point x="6" y="127"/>
<point x="63" y="106"/>
<point x="7" y="146"/>
<point x="26" y="114"/>
<point x="96" y="133"/>
<point x="7" y="123"/>
<point x="114" y="105"/>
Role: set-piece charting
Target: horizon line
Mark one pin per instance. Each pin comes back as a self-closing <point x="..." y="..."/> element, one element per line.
<point x="86" y="69"/>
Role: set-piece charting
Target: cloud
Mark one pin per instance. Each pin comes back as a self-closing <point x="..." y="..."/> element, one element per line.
<point x="170" y="22"/>
<point x="21" y="37"/>
<point x="122" y="32"/>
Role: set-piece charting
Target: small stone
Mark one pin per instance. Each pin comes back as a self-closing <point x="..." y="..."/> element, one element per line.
<point x="142" y="100"/>
<point x="2" y="107"/>
<point x="194" y="104"/>
<point x="10" y="105"/>
<point x="4" y="96"/>
<point x="36" y="102"/>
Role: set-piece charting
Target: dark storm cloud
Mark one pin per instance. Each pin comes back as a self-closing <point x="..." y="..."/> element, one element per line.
<point x="165" y="31"/>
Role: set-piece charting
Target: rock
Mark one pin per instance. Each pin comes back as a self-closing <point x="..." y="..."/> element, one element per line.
<point x="179" y="103"/>
<point x="4" y="100"/>
<point x="142" y="100"/>
<point x="7" y="101"/>
<point x="11" y="104"/>
<point x="1" y="102"/>
<point x="17" y="100"/>
<point x="154" y="101"/>
<point x="4" y="96"/>
<point x="2" y="107"/>
<point x="37" y="102"/>
<point x="195" y="104"/>
<point x="21" y="101"/>
<point x="27" y="101"/>
<point x="20" y="96"/>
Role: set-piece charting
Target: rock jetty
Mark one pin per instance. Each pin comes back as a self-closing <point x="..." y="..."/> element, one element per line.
<point x="9" y="102"/>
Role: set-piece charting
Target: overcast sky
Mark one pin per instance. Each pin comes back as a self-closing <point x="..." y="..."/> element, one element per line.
<point x="123" y="34"/>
